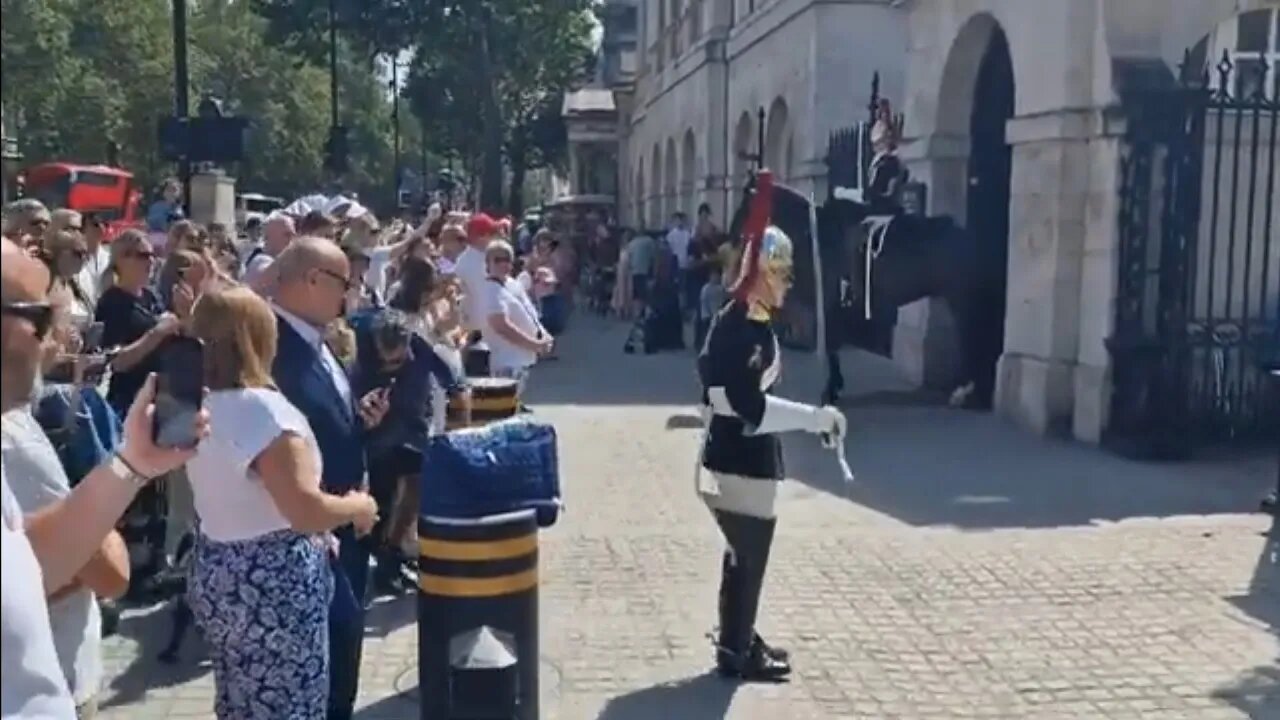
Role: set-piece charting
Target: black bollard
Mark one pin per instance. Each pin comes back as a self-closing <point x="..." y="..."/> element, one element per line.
<point x="475" y="360"/>
<point x="491" y="399"/>
<point x="477" y="587"/>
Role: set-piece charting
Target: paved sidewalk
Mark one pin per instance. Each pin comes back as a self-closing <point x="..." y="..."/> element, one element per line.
<point x="973" y="572"/>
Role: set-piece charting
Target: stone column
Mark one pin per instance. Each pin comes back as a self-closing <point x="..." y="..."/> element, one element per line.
<point x="1052" y="162"/>
<point x="575" y="179"/>
<point x="1099" y="273"/>
<point x="213" y="198"/>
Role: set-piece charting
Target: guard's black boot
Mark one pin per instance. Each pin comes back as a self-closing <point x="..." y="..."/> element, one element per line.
<point x="756" y="665"/>
<point x="776" y="653"/>
<point x="740" y="652"/>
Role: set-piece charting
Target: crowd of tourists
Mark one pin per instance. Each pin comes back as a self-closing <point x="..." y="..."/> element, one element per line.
<point x="334" y="346"/>
<point x="672" y="278"/>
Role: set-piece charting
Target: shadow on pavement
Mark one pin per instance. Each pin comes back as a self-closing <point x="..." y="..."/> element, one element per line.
<point x="916" y="459"/>
<point x="1257" y="692"/>
<point x="936" y="466"/>
<point x="150" y="629"/>
<point x="706" y="697"/>
<point x="403" y="706"/>
<point x="386" y="615"/>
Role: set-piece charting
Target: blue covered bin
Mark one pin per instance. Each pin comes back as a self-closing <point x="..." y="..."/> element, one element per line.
<point x="502" y="467"/>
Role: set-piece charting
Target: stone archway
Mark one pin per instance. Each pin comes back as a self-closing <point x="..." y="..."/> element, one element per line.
<point x="743" y="137"/>
<point x="988" y="199"/>
<point x="689" y="173"/>
<point x="671" y="197"/>
<point x="639" y="189"/>
<point x="655" y="188"/>
<point x="776" y="138"/>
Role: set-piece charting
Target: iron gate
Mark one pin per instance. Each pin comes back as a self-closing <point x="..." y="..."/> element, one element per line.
<point x="1198" y="298"/>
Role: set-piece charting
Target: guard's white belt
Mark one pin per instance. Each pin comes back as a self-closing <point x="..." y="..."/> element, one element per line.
<point x="718" y="402"/>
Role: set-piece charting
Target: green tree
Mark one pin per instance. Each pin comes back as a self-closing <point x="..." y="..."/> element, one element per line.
<point x="484" y="71"/>
<point x="79" y="74"/>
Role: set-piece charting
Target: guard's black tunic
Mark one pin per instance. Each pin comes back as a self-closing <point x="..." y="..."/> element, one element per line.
<point x="741" y="356"/>
<point x="884" y="190"/>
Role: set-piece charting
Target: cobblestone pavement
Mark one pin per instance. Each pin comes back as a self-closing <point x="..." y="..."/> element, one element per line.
<point x="973" y="572"/>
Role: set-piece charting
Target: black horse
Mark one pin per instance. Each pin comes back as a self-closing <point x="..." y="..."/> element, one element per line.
<point x="915" y="258"/>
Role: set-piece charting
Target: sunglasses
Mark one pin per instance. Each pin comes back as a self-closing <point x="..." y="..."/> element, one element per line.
<point x="346" y="281"/>
<point x="39" y="314"/>
<point x="143" y="254"/>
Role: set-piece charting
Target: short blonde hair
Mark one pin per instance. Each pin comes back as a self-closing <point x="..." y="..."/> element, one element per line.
<point x="239" y="334"/>
<point x="499" y="247"/>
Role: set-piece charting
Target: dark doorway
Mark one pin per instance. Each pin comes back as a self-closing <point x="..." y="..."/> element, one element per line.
<point x="990" y="167"/>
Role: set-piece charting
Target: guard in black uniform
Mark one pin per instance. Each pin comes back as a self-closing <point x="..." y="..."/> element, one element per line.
<point x="887" y="175"/>
<point x="741" y="465"/>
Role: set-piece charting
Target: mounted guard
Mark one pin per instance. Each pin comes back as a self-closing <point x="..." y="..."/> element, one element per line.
<point x="887" y="175"/>
<point x="740" y="467"/>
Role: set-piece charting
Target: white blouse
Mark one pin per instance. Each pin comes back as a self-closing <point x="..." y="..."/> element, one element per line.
<point x="230" y="499"/>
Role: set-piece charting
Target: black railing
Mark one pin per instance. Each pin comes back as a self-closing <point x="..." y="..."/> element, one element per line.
<point x="1199" y="263"/>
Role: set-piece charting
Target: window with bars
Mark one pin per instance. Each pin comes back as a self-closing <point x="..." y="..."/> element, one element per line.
<point x="1251" y="41"/>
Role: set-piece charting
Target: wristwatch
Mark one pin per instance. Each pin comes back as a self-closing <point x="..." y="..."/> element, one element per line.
<point x="127" y="472"/>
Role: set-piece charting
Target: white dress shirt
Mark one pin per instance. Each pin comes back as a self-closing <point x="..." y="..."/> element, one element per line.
<point x="313" y="337"/>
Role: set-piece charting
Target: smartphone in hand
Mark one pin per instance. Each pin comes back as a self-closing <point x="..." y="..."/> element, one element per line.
<point x="179" y="392"/>
<point x="92" y="340"/>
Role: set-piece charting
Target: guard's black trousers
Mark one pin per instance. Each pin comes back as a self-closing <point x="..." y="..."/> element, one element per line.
<point x="742" y="578"/>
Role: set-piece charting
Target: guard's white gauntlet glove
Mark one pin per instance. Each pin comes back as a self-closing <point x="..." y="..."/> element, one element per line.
<point x="830" y="423"/>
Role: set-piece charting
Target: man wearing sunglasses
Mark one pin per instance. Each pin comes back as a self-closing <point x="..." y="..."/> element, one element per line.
<point x="43" y="552"/>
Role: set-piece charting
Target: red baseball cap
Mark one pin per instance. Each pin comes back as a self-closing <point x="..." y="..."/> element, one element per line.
<point x="481" y="225"/>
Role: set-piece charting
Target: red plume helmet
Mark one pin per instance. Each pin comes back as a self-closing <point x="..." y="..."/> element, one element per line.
<point x="758" y="217"/>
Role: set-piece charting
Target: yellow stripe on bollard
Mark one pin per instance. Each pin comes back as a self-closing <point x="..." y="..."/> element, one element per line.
<point x="478" y="587"/>
<point x="477" y="551"/>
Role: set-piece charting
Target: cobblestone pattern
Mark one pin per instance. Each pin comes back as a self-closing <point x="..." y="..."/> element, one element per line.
<point x="975" y="572"/>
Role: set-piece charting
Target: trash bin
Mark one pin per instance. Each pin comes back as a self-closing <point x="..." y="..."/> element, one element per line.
<point x="485" y="493"/>
<point x="491" y="399"/>
<point x="478" y="617"/>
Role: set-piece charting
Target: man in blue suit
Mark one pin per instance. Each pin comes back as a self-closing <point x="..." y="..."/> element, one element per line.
<point x="313" y="280"/>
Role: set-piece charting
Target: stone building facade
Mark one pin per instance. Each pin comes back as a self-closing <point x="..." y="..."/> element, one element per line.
<point x="1014" y="123"/>
<point x="708" y="69"/>
<point x="1054" y="70"/>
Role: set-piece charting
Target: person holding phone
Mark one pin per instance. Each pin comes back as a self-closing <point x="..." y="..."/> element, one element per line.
<point x="47" y="550"/>
<point x="313" y="279"/>
<point x="265" y="523"/>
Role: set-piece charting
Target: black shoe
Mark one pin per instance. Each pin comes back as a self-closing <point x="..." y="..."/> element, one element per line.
<point x="389" y="583"/>
<point x="776" y="653"/>
<point x="757" y="665"/>
<point x="1271" y="503"/>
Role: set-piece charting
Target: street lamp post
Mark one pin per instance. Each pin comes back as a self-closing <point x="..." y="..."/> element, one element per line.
<point x="395" y="127"/>
<point x="333" y="63"/>
<point x="181" y="89"/>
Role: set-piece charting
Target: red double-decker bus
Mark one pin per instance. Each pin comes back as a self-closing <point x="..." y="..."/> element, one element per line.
<point x="105" y="191"/>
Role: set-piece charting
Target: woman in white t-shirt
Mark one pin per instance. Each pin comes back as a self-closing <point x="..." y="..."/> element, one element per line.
<point x="512" y="330"/>
<point x="261" y="583"/>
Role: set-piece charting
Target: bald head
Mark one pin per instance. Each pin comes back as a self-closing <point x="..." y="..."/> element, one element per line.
<point x="309" y="253"/>
<point x="313" y="274"/>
